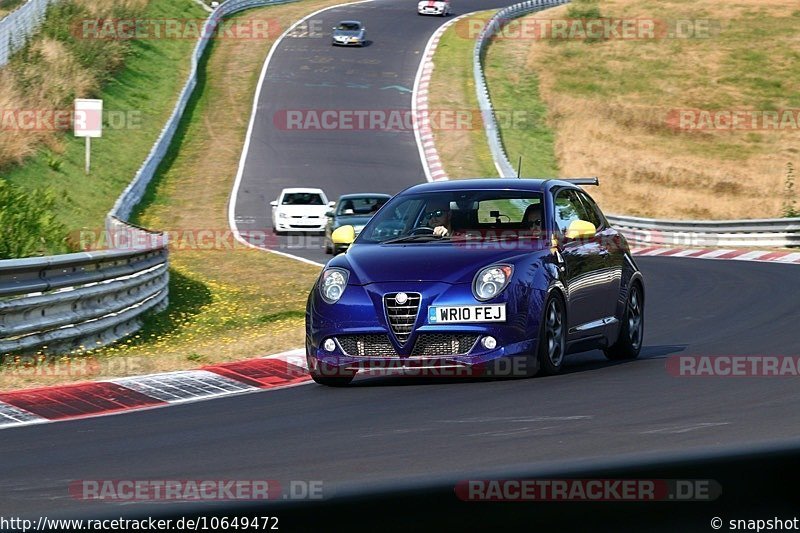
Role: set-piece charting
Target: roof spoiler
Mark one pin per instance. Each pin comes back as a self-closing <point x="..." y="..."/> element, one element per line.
<point x="582" y="181"/>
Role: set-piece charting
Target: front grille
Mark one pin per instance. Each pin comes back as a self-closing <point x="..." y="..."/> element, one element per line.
<point x="433" y="344"/>
<point x="426" y="345"/>
<point x="367" y="345"/>
<point x="402" y="317"/>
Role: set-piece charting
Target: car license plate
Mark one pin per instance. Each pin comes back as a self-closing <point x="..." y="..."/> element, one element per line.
<point x="466" y="313"/>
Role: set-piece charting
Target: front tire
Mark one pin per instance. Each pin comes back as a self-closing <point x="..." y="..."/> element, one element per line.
<point x="552" y="336"/>
<point x="631" y="333"/>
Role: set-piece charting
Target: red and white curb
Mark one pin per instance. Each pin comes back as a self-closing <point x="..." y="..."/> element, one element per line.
<point x="725" y="254"/>
<point x="432" y="164"/>
<point x="50" y="404"/>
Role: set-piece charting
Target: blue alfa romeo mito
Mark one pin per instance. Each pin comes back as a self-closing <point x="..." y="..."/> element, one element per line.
<point x="489" y="276"/>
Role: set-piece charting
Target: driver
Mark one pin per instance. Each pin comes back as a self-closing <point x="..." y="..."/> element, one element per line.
<point x="439" y="217"/>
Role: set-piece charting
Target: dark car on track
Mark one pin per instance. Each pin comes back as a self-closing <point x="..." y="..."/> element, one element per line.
<point x="351" y="210"/>
<point x="471" y="273"/>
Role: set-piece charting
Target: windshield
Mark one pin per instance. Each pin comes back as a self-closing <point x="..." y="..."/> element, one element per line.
<point x="361" y="206"/>
<point x="462" y="213"/>
<point x="349" y="26"/>
<point x="302" y="198"/>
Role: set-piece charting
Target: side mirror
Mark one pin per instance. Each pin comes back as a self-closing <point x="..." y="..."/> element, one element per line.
<point x="329" y="214"/>
<point x="343" y="235"/>
<point x="331" y="204"/>
<point x="580" y="229"/>
<point x="274" y="203"/>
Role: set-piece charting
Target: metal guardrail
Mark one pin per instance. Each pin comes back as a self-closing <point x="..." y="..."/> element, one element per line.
<point x="17" y="26"/>
<point x="782" y="232"/>
<point x="779" y="232"/>
<point x="90" y="299"/>
<point x="493" y="25"/>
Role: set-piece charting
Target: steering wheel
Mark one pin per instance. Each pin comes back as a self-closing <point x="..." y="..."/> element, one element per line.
<point x="422" y="230"/>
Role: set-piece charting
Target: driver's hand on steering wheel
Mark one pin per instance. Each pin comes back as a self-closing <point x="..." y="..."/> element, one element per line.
<point x="440" y="231"/>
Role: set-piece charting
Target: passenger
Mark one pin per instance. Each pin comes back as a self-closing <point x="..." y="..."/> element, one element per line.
<point x="532" y="220"/>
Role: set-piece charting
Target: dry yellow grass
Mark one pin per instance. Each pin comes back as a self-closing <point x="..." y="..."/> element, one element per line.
<point x="52" y="81"/>
<point x="58" y="76"/>
<point x="608" y="103"/>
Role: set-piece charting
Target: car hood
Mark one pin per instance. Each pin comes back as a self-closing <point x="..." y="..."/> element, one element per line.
<point x="343" y="33"/>
<point x="447" y="262"/>
<point x="295" y="210"/>
<point x="351" y="220"/>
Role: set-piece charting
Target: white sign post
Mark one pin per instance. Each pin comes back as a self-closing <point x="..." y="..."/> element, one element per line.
<point x="88" y="123"/>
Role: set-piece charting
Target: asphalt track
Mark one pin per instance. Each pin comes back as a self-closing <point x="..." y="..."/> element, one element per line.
<point x="387" y="430"/>
<point x="307" y="73"/>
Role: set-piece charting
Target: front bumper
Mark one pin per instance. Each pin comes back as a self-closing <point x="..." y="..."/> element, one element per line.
<point x="286" y="224"/>
<point x="348" y="42"/>
<point x="431" y="10"/>
<point x="364" y="339"/>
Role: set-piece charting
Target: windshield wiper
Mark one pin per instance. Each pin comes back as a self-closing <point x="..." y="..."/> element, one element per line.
<point x="495" y="238"/>
<point x="490" y="238"/>
<point x="413" y="238"/>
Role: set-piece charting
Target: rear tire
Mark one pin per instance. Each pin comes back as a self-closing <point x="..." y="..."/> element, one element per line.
<point x="552" y="336"/>
<point x="631" y="332"/>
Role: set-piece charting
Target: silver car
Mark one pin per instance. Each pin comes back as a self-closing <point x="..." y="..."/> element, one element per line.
<point x="349" y="32"/>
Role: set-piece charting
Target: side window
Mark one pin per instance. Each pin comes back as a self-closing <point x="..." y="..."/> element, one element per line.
<point x="593" y="213"/>
<point x="568" y="208"/>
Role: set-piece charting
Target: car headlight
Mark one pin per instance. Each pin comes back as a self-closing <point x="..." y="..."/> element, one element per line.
<point x="491" y="281"/>
<point x="334" y="280"/>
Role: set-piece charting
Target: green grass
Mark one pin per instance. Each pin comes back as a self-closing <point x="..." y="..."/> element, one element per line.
<point x="7" y="6"/>
<point x="522" y="116"/>
<point x="146" y="90"/>
<point x="520" y="113"/>
<point x="452" y="88"/>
